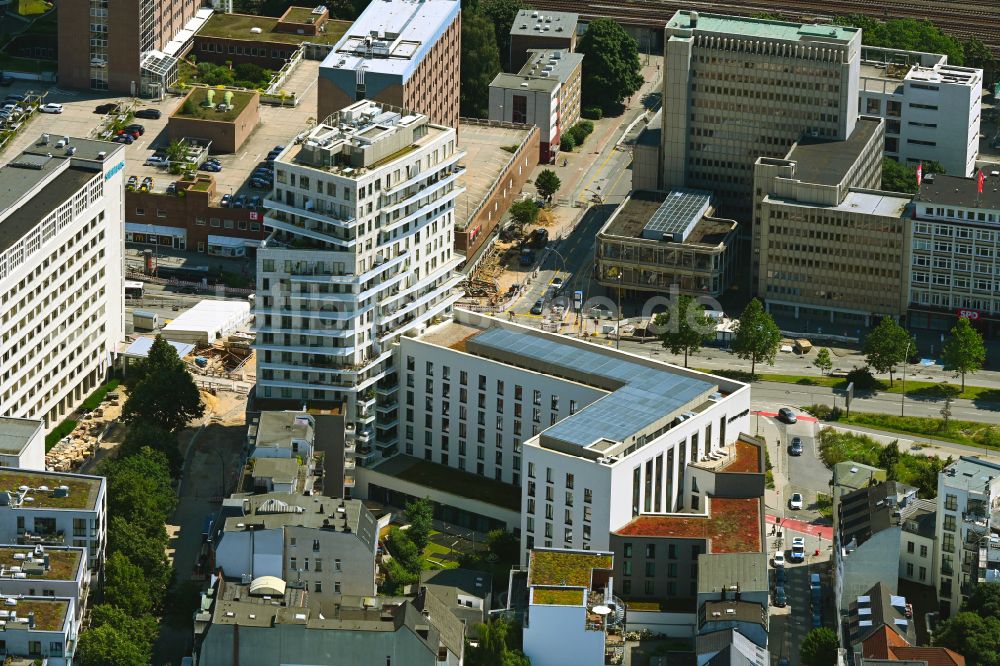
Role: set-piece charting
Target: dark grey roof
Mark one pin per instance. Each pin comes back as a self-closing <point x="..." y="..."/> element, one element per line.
<point x="864" y="513"/>
<point x="14" y="183"/>
<point x="920" y="517"/>
<point x="877" y="608"/>
<point x="827" y="162"/>
<point x="639" y="396"/>
<point x="961" y="191"/>
<point x="281" y="510"/>
<point x="719" y="571"/>
<point x="469" y="581"/>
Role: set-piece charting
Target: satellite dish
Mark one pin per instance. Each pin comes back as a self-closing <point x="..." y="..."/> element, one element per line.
<point x="601" y="610"/>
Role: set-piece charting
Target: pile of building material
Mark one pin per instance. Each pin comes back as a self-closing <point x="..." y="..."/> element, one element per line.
<point x="485" y="280"/>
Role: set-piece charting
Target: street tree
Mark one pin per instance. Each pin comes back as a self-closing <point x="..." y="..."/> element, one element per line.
<point x="524" y="211"/>
<point x="975" y="637"/>
<point x="125" y="586"/>
<point x="683" y="327"/>
<point x="611" y="67"/>
<point x="139" y="487"/>
<point x="946" y="411"/>
<point x="143" y="629"/>
<point x="757" y="337"/>
<point x="823" y="360"/>
<point x="964" y="352"/>
<point x="547" y="184"/>
<point x="480" y="64"/>
<point x="819" y="648"/>
<point x="420" y="515"/>
<point x="108" y="645"/>
<point x="888" y="345"/>
<point x="165" y="394"/>
<point x="143" y="434"/>
<point x="984" y="600"/>
<point x="144" y="546"/>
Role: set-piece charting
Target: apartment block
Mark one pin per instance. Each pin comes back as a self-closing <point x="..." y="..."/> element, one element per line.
<point x="322" y="438"/>
<point x="954" y="246"/>
<point x="401" y="53"/>
<point x="932" y="110"/>
<point x="866" y="545"/>
<point x="54" y="509"/>
<point x="545" y="92"/>
<point x="123" y="46"/>
<point x="918" y="554"/>
<point x="61" y="284"/>
<point x="267" y="622"/>
<point x="321" y="545"/>
<point x="736" y="89"/>
<point x="360" y="252"/>
<point x="849" y="476"/>
<point x="569" y="596"/>
<point x="968" y="520"/>
<point x="534" y="29"/>
<point x="22" y="443"/>
<point x="874" y="611"/>
<point x="658" y="240"/>
<point x="46" y="571"/>
<point x="40" y="630"/>
<point x="823" y="232"/>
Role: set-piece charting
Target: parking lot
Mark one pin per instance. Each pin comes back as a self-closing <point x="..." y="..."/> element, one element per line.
<point x="277" y="126"/>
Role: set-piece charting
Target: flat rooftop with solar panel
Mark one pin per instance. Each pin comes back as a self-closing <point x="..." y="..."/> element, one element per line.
<point x="517" y="406"/>
<point x="674" y="236"/>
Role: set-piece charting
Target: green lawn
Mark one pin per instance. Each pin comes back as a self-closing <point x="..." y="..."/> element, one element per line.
<point x="970" y="433"/>
<point x="238" y="26"/>
<point x="431" y="557"/>
<point x="60" y="431"/>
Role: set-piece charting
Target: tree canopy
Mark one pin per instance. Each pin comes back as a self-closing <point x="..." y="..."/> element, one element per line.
<point x="126" y="586"/>
<point x="823" y="360"/>
<point x="420" y="515"/>
<point x="109" y="645"/>
<point x="757" y="337"/>
<point x="611" y="67"/>
<point x="964" y="351"/>
<point x="494" y="647"/>
<point x="480" y="64"/>
<point x="888" y="345"/>
<point x="547" y="183"/>
<point x="897" y="177"/>
<point x="819" y="648"/>
<point x="501" y="14"/>
<point x="163" y="393"/>
<point x="684" y="328"/>
<point x="973" y="636"/>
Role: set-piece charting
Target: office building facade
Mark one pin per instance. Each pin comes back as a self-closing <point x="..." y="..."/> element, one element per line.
<point x="824" y="232"/>
<point x="403" y="53"/>
<point x="61" y="283"/>
<point x="533" y="29"/>
<point x="118" y="45"/>
<point x="955" y="246"/>
<point x="932" y="110"/>
<point x="737" y="88"/>
<point x="360" y="252"/>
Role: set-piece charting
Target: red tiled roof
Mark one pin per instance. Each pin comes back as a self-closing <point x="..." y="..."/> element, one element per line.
<point x="934" y="656"/>
<point x="747" y="459"/>
<point x="887" y="644"/>
<point x="733" y="526"/>
<point x="878" y="645"/>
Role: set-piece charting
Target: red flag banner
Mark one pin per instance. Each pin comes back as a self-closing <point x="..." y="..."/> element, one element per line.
<point x="980" y="177"/>
<point x="920" y="173"/>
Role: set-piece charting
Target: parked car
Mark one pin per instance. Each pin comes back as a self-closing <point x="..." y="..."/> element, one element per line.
<point x="132" y="183"/>
<point x="260" y="184"/>
<point x="780" y="598"/>
<point x="172" y="188"/>
<point x="147" y="184"/>
<point x="539" y="237"/>
<point x="536" y="309"/>
<point x="256" y="201"/>
<point x="277" y="149"/>
<point x="787" y="415"/>
<point x="240" y="201"/>
<point x="779" y="559"/>
<point x="51" y="107"/>
<point x="135" y="128"/>
<point x="779" y="577"/>
<point x="105" y="109"/>
<point x="796" y="448"/>
<point x="156" y="160"/>
<point x="125" y="138"/>
<point x="226" y="200"/>
<point x="211" y="166"/>
<point x="798" y="549"/>
<point x="150" y="114"/>
<point x="795" y="503"/>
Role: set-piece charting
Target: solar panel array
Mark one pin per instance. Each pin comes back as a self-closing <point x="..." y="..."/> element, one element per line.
<point x="680" y="210"/>
<point x="645" y="395"/>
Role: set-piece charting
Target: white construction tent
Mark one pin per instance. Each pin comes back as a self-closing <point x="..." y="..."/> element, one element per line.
<point x="207" y="322"/>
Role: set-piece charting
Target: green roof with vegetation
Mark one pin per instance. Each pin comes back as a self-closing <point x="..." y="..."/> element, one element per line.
<point x="193" y="106"/>
<point x="299" y="15"/>
<point x="50" y="614"/>
<point x="82" y="494"/>
<point x="549" y="567"/>
<point x="238" y="26"/>
<point x="557" y="596"/>
<point x="63" y="562"/>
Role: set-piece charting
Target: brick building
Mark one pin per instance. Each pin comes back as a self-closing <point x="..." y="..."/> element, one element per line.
<point x="192" y="220"/>
<point x="399" y="52"/>
<point x="103" y="43"/>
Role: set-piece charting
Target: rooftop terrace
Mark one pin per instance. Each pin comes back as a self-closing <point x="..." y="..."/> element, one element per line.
<point x="29" y="489"/>
<point x="732" y="526"/>
<point x="64" y="563"/>
<point x="746" y="459"/>
<point x="565" y="568"/>
<point x="240" y="26"/>
<point x="199" y="97"/>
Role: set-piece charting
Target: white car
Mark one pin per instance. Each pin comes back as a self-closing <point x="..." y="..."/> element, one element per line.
<point x="51" y="108"/>
<point x="796" y="502"/>
<point x="779" y="559"/>
<point x="798" y="549"/>
<point x="153" y="160"/>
